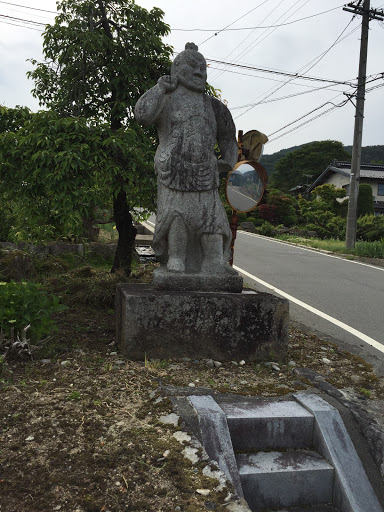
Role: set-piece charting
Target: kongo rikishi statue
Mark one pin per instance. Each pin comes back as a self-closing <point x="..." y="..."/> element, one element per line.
<point x="192" y="234"/>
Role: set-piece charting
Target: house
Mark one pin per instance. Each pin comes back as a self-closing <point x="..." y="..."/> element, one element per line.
<point x="339" y="174"/>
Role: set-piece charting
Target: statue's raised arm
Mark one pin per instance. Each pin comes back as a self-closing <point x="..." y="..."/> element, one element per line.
<point x="192" y="235"/>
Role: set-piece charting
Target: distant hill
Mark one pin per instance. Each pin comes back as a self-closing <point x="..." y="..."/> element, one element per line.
<point x="369" y="154"/>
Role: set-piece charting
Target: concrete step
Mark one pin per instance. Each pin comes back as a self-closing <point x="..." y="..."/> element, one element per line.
<point x="285" y="479"/>
<point x="269" y="425"/>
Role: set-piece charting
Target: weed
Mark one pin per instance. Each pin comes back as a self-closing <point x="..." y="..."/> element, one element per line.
<point x="74" y="395"/>
<point x="155" y="363"/>
<point x="365" y="392"/>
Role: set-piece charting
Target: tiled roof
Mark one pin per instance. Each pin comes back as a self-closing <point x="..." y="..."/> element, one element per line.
<point x="371" y="171"/>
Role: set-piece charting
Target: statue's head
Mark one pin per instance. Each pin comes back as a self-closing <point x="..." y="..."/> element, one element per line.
<point x="190" y="68"/>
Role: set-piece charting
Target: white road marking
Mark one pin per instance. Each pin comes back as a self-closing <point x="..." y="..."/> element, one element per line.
<point x="309" y="249"/>
<point x="348" y="328"/>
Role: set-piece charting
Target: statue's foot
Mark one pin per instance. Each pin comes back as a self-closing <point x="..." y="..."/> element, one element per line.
<point x="217" y="269"/>
<point x="176" y="265"/>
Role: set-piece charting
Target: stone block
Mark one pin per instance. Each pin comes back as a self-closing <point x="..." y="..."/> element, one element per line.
<point x="217" y="325"/>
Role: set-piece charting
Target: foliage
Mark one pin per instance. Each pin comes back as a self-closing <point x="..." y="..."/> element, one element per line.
<point x="369" y="154"/>
<point x="268" y="212"/>
<point x="11" y="119"/>
<point x="310" y="159"/>
<point x="283" y="207"/>
<point x="26" y="303"/>
<point x="365" y="204"/>
<point x="370" y="227"/>
<point x="267" y="229"/>
<point x="323" y="212"/>
<point x="99" y="59"/>
<point x="60" y="169"/>
<point x="370" y="249"/>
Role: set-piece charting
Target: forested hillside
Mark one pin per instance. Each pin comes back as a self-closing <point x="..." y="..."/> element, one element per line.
<point x="369" y="154"/>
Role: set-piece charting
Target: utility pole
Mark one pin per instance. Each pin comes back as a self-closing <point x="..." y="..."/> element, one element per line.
<point x="367" y="15"/>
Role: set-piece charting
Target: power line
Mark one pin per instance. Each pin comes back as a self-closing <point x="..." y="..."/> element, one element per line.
<point x="26" y="7"/>
<point x="238" y="19"/>
<point x="22" y="26"/>
<point x="301" y="93"/>
<point x="252" y="28"/>
<point x="316" y="117"/>
<point x="317" y="60"/>
<point x="270" y="79"/>
<point x="13" y="18"/>
<point x="244" y="52"/>
<point x="283" y="73"/>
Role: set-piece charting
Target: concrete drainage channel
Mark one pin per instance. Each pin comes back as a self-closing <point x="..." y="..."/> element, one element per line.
<point x="286" y="456"/>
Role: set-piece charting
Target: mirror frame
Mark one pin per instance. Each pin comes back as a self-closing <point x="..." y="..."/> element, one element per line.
<point x="262" y="174"/>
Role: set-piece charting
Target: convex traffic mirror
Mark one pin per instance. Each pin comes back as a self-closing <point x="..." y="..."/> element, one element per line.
<point x="245" y="185"/>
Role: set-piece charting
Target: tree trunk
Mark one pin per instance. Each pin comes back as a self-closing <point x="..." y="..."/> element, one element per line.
<point x="127" y="234"/>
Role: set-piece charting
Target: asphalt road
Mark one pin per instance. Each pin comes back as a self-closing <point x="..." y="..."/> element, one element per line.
<point x="338" y="298"/>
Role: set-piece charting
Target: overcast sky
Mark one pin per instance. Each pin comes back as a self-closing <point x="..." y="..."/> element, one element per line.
<point x="292" y="48"/>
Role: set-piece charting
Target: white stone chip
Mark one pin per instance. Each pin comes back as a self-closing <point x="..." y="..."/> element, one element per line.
<point x="192" y="385"/>
<point x="242" y="362"/>
<point x="30" y="438"/>
<point x="181" y="437"/>
<point x="326" y="361"/>
<point x="203" y="492"/>
<point x="170" y="419"/>
<point x="190" y="454"/>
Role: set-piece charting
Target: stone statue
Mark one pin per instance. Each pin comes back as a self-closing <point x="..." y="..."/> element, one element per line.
<point x="192" y="234"/>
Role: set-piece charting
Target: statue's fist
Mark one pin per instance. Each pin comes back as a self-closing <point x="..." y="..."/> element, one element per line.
<point x="167" y="83"/>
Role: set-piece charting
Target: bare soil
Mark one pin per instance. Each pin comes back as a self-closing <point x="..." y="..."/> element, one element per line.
<point x="81" y="433"/>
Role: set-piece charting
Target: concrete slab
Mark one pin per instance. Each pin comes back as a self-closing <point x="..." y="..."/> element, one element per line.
<point x="285" y="479"/>
<point x="215" y="325"/>
<point x="216" y="438"/>
<point x="352" y="491"/>
<point x="269" y="425"/>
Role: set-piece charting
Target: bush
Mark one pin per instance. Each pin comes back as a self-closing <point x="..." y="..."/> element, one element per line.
<point x="267" y="229"/>
<point x="365" y="204"/>
<point x="23" y="304"/>
<point x="370" y="227"/>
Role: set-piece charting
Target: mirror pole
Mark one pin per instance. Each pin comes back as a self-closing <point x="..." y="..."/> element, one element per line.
<point x="234" y="223"/>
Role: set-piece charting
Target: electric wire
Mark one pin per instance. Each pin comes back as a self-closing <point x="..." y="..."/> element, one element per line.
<point x="283" y="73"/>
<point x="26" y="7"/>
<point x="238" y="19"/>
<point x="22" y="26"/>
<point x="317" y="60"/>
<point x="243" y="52"/>
<point x="13" y="18"/>
<point x="334" y="107"/>
<point x="271" y="79"/>
<point x="253" y="28"/>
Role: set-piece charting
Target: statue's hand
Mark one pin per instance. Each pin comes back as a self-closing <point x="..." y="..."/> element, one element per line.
<point x="167" y="83"/>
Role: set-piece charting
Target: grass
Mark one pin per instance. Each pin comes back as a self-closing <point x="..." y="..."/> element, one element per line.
<point x="364" y="249"/>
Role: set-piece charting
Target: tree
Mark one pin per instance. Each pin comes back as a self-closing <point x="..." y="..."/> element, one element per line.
<point x="59" y="169"/>
<point x="100" y="57"/>
<point x="365" y="204"/>
<point x="311" y="159"/>
<point x="325" y="212"/>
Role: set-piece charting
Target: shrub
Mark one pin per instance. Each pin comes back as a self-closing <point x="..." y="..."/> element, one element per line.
<point x="365" y="204"/>
<point x="267" y="229"/>
<point x="370" y="227"/>
<point x="23" y="304"/>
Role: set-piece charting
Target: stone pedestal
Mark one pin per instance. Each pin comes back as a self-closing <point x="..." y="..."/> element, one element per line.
<point x="218" y="325"/>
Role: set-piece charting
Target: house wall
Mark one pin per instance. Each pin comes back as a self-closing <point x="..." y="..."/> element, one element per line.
<point x="338" y="180"/>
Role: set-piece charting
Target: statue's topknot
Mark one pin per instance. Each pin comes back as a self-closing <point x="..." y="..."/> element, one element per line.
<point x="191" y="46"/>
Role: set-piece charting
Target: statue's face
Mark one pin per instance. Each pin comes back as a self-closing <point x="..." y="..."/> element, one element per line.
<point x="191" y="71"/>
